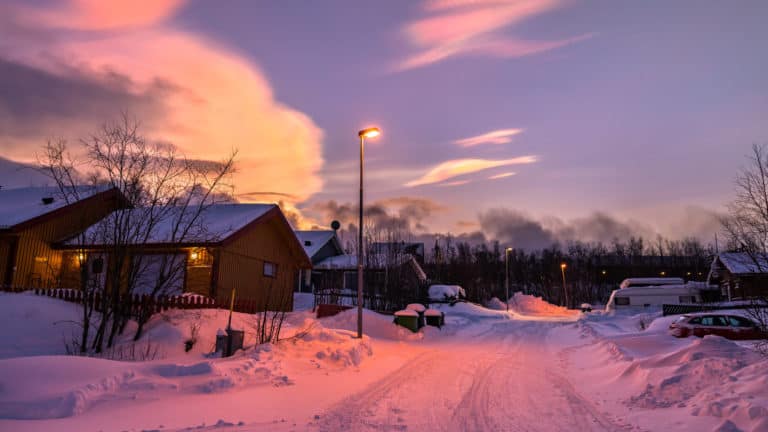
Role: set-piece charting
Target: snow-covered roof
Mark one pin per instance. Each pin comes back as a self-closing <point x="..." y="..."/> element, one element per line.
<point x="632" y="282"/>
<point x="744" y="263"/>
<point x="215" y="223"/>
<point x="18" y="205"/>
<point x="314" y="240"/>
<point x="349" y="262"/>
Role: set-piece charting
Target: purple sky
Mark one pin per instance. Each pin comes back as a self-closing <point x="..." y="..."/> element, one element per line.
<point x="639" y="110"/>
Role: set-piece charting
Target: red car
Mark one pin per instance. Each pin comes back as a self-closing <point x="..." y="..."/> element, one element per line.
<point x="727" y="326"/>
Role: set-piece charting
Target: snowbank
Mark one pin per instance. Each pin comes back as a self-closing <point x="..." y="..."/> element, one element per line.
<point x="33" y="325"/>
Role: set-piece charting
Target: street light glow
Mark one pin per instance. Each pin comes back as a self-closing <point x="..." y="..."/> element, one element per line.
<point x="370" y="132"/>
<point x="563" y="266"/>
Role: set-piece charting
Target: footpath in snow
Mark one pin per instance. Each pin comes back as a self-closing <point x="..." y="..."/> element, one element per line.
<point x="537" y="367"/>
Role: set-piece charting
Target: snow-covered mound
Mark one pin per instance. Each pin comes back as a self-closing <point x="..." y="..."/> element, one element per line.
<point x="531" y="305"/>
<point x="34" y="385"/>
<point x="446" y="292"/>
<point x="375" y="325"/>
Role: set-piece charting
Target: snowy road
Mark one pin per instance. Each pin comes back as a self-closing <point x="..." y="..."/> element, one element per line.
<point x="504" y="376"/>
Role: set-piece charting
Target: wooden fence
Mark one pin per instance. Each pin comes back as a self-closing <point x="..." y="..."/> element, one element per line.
<point x="134" y="304"/>
<point x="680" y="309"/>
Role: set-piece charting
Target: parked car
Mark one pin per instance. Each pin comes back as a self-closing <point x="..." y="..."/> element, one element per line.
<point x="727" y="326"/>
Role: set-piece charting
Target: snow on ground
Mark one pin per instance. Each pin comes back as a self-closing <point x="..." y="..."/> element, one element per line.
<point x="538" y="367"/>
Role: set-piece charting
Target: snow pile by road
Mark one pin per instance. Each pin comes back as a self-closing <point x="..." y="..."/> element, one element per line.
<point x="711" y="377"/>
<point x="531" y="305"/>
<point x="707" y="383"/>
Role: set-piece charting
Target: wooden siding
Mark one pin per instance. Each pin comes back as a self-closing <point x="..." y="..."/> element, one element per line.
<point x="241" y="265"/>
<point x="35" y="263"/>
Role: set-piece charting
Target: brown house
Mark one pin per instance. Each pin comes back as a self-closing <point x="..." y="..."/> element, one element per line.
<point x="33" y="219"/>
<point x="740" y="275"/>
<point x="249" y="249"/>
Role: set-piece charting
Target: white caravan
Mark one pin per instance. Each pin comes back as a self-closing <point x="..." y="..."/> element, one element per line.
<point x="655" y="295"/>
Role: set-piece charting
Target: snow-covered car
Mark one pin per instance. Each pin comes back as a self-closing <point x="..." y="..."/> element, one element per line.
<point x="727" y="326"/>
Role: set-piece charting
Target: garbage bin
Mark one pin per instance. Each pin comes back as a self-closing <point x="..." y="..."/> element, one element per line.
<point x="434" y="318"/>
<point x="229" y="341"/>
<point x="419" y="309"/>
<point x="408" y="319"/>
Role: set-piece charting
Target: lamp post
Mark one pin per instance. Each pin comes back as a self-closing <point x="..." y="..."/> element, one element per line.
<point x="506" y="273"/>
<point x="563" y="266"/>
<point x="363" y="134"/>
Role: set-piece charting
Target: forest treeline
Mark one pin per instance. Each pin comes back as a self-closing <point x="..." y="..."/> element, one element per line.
<point x="592" y="270"/>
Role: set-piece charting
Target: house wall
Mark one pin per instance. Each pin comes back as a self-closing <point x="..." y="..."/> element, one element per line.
<point x="36" y="264"/>
<point x="240" y="266"/>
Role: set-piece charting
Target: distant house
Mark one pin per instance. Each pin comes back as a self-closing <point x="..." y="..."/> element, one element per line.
<point x="740" y="275"/>
<point x="318" y="245"/>
<point x="249" y="249"/>
<point x="340" y="273"/>
<point x="33" y="219"/>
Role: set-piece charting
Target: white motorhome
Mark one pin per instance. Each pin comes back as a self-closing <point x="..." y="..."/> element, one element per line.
<point x="643" y="295"/>
<point x="643" y="282"/>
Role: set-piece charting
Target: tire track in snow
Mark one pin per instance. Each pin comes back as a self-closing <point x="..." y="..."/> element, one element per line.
<point x="502" y="379"/>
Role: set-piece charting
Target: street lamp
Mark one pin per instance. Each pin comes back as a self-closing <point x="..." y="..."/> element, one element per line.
<point x="506" y="273"/>
<point x="563" y="266"/>
<point x="371" y="132"/>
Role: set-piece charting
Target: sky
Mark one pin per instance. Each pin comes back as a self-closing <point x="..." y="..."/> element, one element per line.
<point x="556" y="119"/>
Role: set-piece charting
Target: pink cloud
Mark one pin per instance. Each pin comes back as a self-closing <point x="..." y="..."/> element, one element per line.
<point x="457" y="167"/>
<point x="212" y="100"/>
<point x="500" y="136"/>
<point x="501" y="176"/>
<point x="463" y="27"/>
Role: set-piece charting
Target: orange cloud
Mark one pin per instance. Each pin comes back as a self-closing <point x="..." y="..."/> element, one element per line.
<point x="454" y="168"/>
<point x="501" y="136"/>
<point x="103" y="15"/>
<point x="455" y="28"/>
<point x="211" y="100"/>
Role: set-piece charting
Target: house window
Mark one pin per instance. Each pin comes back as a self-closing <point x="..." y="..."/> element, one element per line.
<point x="270" y="269"/>
<point x="621" y="301"/>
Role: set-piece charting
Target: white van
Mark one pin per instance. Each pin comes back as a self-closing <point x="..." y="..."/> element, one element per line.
<point x="654" y="295"/>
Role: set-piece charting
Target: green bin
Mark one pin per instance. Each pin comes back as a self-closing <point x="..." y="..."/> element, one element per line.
<point x="408" y="319"/>
<point x="434" y="318"/>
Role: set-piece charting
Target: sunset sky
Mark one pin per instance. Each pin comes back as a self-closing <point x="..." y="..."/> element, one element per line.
<point x="553" y="119"/>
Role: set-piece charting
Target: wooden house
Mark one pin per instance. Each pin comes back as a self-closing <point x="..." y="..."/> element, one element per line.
<point x="382" y="274"/>
<point x="319" y="245"/>
<point x="740" y="275"/>
<point x="246" y="249"/>
<point x="33" y="219"/>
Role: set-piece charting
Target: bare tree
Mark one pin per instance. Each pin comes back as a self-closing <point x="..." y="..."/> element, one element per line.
<point x="746" y="225"/>
<point x="167" y="195"/>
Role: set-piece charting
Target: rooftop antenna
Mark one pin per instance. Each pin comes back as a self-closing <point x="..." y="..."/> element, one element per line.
<point x="717" y="248"/>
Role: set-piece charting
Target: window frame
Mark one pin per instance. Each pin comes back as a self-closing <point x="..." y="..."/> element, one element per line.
<point x="272" y="265"/>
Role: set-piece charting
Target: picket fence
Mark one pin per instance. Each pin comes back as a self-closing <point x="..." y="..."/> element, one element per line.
<point x="133" y="305"/>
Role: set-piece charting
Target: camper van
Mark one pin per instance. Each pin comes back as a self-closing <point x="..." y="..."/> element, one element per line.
<point x="643" y="282"/>
<point x="638" y="293"/>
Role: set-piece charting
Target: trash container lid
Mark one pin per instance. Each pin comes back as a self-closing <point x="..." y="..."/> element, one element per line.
<point x="406" y="313"/>
<point x="418" y="307"/>
<point x="432" y="312"/>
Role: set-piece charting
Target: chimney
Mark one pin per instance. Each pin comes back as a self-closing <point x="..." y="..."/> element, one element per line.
<point x="47" y="200"/>
<point x="307" y="242"/>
